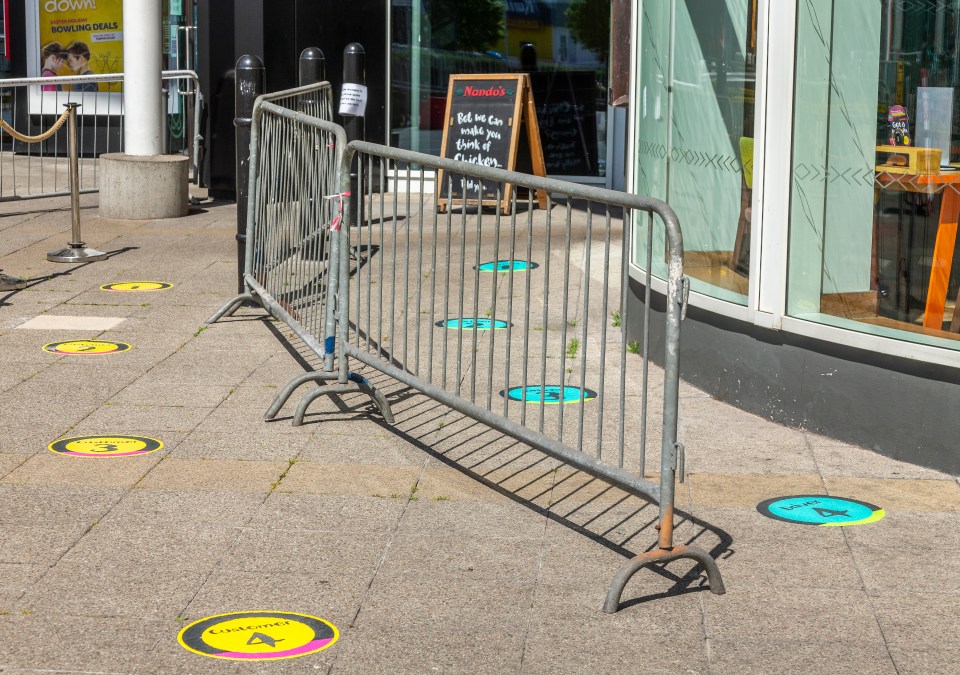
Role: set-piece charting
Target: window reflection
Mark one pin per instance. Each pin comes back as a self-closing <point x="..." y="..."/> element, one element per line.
<point x="876" y="188"/>
<point x="563" y="44"/>
<point x="695" y="134"/>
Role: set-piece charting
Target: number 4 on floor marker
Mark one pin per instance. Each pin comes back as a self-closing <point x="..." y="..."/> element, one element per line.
<point x="261" y="639"/>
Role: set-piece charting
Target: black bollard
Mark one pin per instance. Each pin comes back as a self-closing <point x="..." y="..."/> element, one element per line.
<point x="354" y="72"/>
<point x="313" y="66"/>
<point x="251" y="82"/>
<point x="528" y="57"/>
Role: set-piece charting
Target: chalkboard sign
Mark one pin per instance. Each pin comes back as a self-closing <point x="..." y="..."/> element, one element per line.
<point x="482" y="125"/>
<point x="567" y="114"/>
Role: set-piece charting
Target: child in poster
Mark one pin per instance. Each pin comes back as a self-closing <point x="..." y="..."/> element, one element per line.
<point x="78" y="60"/>
<point x="52" y="58"/>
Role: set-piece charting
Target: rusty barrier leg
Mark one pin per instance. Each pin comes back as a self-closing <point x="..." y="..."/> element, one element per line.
<point x="496" y="314"/>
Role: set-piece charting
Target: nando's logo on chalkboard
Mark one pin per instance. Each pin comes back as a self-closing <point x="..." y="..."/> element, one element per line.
<point x="491" y="91"/>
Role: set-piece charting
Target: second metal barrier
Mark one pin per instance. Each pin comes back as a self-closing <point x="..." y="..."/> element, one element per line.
<point x="512" y="319"/>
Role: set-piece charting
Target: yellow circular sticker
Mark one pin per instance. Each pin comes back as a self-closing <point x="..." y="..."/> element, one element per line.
<point x="86" y="347"/>
<point x="136" y="286"/>
<point x="105" y="446"/>
<point x="258" y="636"/>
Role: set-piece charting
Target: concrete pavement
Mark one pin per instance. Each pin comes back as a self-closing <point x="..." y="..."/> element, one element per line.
<point x="432" y="548"/>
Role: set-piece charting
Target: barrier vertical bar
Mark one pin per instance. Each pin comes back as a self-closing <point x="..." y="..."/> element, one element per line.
<point x="251" y="78"/>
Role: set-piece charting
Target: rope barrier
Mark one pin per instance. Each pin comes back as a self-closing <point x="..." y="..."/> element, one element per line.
<point x="36" y="139"/>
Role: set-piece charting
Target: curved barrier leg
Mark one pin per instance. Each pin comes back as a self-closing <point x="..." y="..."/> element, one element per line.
<point x="231" y="307"/>
<point x="379" y="399"/>
<point x="8" y="283"/>
<point x="292" y="386"/>
<point x="660" y="555"/>
<point x="356" y="384"/>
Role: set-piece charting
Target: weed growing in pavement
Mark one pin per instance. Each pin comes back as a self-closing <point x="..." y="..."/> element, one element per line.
<point x="615" y="317"/>
<point x="633" y="347"/>
<point x="573" y="347"/>
<point x="200" y="330"/>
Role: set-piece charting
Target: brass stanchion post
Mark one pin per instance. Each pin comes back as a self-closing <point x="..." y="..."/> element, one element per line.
<point x="76" y="250"/>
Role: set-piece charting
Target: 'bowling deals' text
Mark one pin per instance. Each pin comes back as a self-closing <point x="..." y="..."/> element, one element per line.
<point x="484" y="117"/>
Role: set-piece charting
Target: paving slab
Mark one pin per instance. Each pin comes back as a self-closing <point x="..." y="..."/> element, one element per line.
<point x="351" y="479"/>
<point x="361" y="515"/>
<point x="237" y="444"/>
<point x="471" y="520"/>
<point x="784" y="656"/>
<point x="9" y="462"/>
<point x="47" y="504"/>
<point x="184" y="509"/>
<point x="353" y="558"/>
<point x="48" y="468"/>
<point x="805" y="614"/>
<point x="835" y="458"/>
<point x="115" y="546"/>
<point x="912" y="660"/>
<point x="37" y="544"/>
<point x="583" y="641"/>
<point x="15" y="580"/>
<point x="215" y="475"/>
<point x="120" y="645"/>
<point x="435" y="544"/>
<point x="402" y="649"/>
<point x="114" y="590"/>
<point x="905" y="494"/>
<point x="334" y="598"/>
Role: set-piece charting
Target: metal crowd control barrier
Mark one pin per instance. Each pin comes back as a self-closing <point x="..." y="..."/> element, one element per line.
<point x="294" y="217"/>
<point x="42" y="170"/>
<point x="495" y="315"/>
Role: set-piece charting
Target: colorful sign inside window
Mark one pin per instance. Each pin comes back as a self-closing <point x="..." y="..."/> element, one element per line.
<point x="899" y="125"/>
<point x="81" y="37"/>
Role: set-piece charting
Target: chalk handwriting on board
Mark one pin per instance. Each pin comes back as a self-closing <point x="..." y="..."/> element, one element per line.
<point x="482" y="125"/>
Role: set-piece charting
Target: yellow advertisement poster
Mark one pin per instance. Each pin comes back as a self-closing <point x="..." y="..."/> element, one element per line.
<point x="81" y="37"/>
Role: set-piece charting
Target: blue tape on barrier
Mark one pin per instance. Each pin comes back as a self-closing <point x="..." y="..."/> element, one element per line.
<point x="329" y="345"/>
<point x="356" y="377"/>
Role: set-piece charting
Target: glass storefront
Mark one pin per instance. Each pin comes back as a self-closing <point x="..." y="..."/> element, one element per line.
<point x="563" y="44"/>
<point x="876" y="168"/>
<point x="695" y="119"/>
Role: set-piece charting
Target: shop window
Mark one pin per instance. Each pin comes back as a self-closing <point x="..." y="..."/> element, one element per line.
<point x="695" y="126"/>
<point x="876" y="168"/>
<point x="563" y="44"/>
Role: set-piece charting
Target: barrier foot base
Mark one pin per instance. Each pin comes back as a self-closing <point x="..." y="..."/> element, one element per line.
<point x="8" y="283"/>
<point x="357" y="383"/>
<point x="76" y="254"/>
<point x="660" y="555"/>
<point x="291" y="387"/>
<point x="232" y="306"/>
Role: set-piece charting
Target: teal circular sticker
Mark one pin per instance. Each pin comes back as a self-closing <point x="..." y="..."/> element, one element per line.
<point x="549" y="394"/>
<point x="470" y="323"/>
<point x="821" y="510"/>
<point x="507" y="266"/>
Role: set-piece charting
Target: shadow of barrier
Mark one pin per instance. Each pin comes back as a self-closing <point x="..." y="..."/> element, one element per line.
<point x="512" y="318"/>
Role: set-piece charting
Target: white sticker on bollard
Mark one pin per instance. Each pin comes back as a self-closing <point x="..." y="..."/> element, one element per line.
<point x="353" y="99"/>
